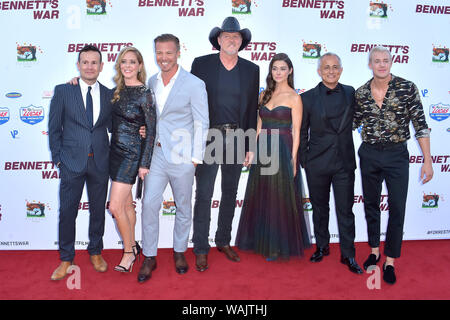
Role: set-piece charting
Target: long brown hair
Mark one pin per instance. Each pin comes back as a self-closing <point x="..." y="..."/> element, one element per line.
<point x="118" y="78"/>
<point x="270" y="83"/>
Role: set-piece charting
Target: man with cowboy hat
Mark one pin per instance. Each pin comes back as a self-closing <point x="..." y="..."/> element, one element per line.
<point x="232" y="84"/>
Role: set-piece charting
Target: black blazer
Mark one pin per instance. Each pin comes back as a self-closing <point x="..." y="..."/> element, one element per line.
<point x="320" y="143"/>
<point x="207" y="69"/>
<point x="70" y="137"/>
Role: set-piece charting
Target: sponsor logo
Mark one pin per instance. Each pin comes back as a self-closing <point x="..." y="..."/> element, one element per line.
<point x="440" y="54"/>
<point x="241" y="6"/>
<point x="169" y="208"/>
<point x="439" y="111"/>
<point x="35" y="210"/>
<point x="47" y="94"/>
<point x="97" y="7"/>
<point x="312" y="50"/>
<point x="4" y="115"/>
<point x="32" y="114"/>
<point x="13" y="95"/>
<point x="430" y="201"/>
<point x="425" y="93"/>
<point x="14" y="133"/>
<point x="378" y="10"/>
<point x="307" y="206"/>
<point x="448" y="129"/>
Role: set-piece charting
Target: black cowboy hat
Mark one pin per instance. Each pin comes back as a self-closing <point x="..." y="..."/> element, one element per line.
<point x="230" y="24"/>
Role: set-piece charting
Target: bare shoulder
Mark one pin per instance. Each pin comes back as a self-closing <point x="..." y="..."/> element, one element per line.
<point x="294" y="99"/>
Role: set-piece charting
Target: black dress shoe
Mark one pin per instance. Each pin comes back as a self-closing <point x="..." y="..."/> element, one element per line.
<point x="351" y="264"/>
<point x="147" y="267"/>
<point x="389" y="274"/>
<point x="319" y="254"/>
<point x="229" y="253"/>
<point x="181" y="266"/>
<point x="372" y="260"/>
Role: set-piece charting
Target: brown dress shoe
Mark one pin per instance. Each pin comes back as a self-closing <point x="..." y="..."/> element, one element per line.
<point x="201" y="262"/>
<point x="181" y="265"/>
<point x="99" y="264"/>
<point x="229" y="253"/>
<point x="147" y="267"/>
<point x="61" y="272"/>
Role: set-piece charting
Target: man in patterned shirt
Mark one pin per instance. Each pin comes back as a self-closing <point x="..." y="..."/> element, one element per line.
<point x="385" y="106"/>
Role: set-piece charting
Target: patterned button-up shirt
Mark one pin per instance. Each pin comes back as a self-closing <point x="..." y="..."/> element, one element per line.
<point x="390" y="123"/>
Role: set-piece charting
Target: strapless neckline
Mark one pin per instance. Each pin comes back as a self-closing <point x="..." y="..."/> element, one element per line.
<point x="275" y="107"/>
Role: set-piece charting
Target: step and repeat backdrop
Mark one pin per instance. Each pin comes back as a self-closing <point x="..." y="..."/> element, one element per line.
<point x="41" y="40"/>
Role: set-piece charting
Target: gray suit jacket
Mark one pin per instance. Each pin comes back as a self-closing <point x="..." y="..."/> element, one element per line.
<point x="182" y="127"/>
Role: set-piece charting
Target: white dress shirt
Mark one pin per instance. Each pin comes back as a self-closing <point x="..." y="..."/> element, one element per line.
<point x="95" y="93"/>
<point x="162" y="92"/>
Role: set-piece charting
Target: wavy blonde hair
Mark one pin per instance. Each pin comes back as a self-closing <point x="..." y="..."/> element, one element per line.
<point x="118" y="78"/>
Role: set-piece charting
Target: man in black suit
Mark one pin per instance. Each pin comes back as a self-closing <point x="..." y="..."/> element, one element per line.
<point x="232" y="84"/>
<point x="327" y="153"/>
<point x="79" y="118"/>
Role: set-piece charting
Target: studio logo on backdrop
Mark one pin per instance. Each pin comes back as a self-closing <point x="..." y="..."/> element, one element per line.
<point x="4" y="115"/>
<point x="169" y="208"/>
<point x="186" y="8"/>
<point x="440" y="54"/>
<point x="439" y="111"/>
<point x="35" y="210"/>
<point x="329" y="9"/>
<point x="430" y="201"/>
<point x="31" y="114"/>
<point x="42" y="9"/>
<point x="13" y="95"/>
<point x="27" y="52"/>
<point x="379" y="9"/>
<point x="97" y="7"/>
<point x="242" y="6"/>
<point x="312" y="50"/>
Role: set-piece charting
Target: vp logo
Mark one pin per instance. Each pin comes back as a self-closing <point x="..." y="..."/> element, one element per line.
<point x="424" y="93"/>
<point x="14" y="133"/>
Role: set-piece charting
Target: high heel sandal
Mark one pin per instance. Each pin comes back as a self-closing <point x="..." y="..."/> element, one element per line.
<point x="120" y="268"/>
<point x="138" y="250"/>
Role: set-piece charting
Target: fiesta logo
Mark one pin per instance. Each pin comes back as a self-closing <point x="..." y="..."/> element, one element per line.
<point x="439" y="111"/>
<point x="27" y="53"/>
<point x="440" y="54"/>
<point x="4" y="115"/>
<point x="32" y="114"/>
<point x="312" y="50"/>
<point x="241" y="6"/>
<point x="13" y="95"/>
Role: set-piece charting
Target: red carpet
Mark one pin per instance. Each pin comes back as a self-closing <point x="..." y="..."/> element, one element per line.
<point x="422" y="273"/>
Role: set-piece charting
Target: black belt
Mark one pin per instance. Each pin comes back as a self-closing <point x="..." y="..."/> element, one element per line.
<point x="226" y="126"/>
<point x="384" y="146"/>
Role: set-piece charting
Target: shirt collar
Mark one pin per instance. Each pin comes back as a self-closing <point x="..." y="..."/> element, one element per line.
<point x="84" y="86"/>
<point x="159" y="77"/>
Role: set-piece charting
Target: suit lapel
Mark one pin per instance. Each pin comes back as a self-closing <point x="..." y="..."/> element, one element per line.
<point x="80" y="104"/>
<point x="346" y="111"/>
<point x="319" y="105"/>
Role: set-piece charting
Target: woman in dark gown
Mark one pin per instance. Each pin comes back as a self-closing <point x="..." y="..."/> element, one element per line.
<point x="272" y="221"/>
<point x="130" y="155"/>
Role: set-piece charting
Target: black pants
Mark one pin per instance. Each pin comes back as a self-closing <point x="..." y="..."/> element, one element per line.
<point x="70" y="192"/>
<point x="319" y="183"/>
<point x="391" y="164"/>
<point x="205" y="178"/>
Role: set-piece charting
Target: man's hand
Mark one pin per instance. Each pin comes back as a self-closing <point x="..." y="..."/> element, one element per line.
<point x="143" y="172"/>
<point x="142" y="132"/>
<point x="426" y="172"/>
<point x="73" y="81"/>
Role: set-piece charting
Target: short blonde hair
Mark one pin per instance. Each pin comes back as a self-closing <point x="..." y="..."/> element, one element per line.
<point x="379" y="49"/>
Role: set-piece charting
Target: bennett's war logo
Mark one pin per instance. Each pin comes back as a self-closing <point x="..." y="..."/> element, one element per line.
<point x="35" y="210"/>
<point x="169" y="208"/>
<point x="4" y="115"/>
<point x="312" y="50"/>
<point x="242" y="6"/>
<point x="97" y="7"/>
<point x="439" y="111"/>
<point x="440" y="54"/>
<point x="378" y="10"/>
<point x="27" y="53"/>
<point x="430" y="201"/>
<point x="32" y="114"/>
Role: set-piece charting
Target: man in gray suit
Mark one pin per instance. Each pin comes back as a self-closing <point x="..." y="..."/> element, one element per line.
<point x="77" y="128"/>
<point x="182" y="126"/>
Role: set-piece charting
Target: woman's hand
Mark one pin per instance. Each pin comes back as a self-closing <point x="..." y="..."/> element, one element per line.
<point x="143" y="172"/>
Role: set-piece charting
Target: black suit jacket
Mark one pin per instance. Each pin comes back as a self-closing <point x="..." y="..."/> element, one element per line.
<point x="70" y="137"/>
<point x="207" y="69"/>
<point x="320" y="143"/>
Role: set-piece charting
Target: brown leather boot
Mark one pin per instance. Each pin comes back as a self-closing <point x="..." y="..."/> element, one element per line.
<point x="147" y="267"/>
<point x="99" y="264"/>
<point x="61" y="272"/>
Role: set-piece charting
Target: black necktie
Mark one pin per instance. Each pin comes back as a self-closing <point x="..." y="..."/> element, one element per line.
<point x="89" y="107"/>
